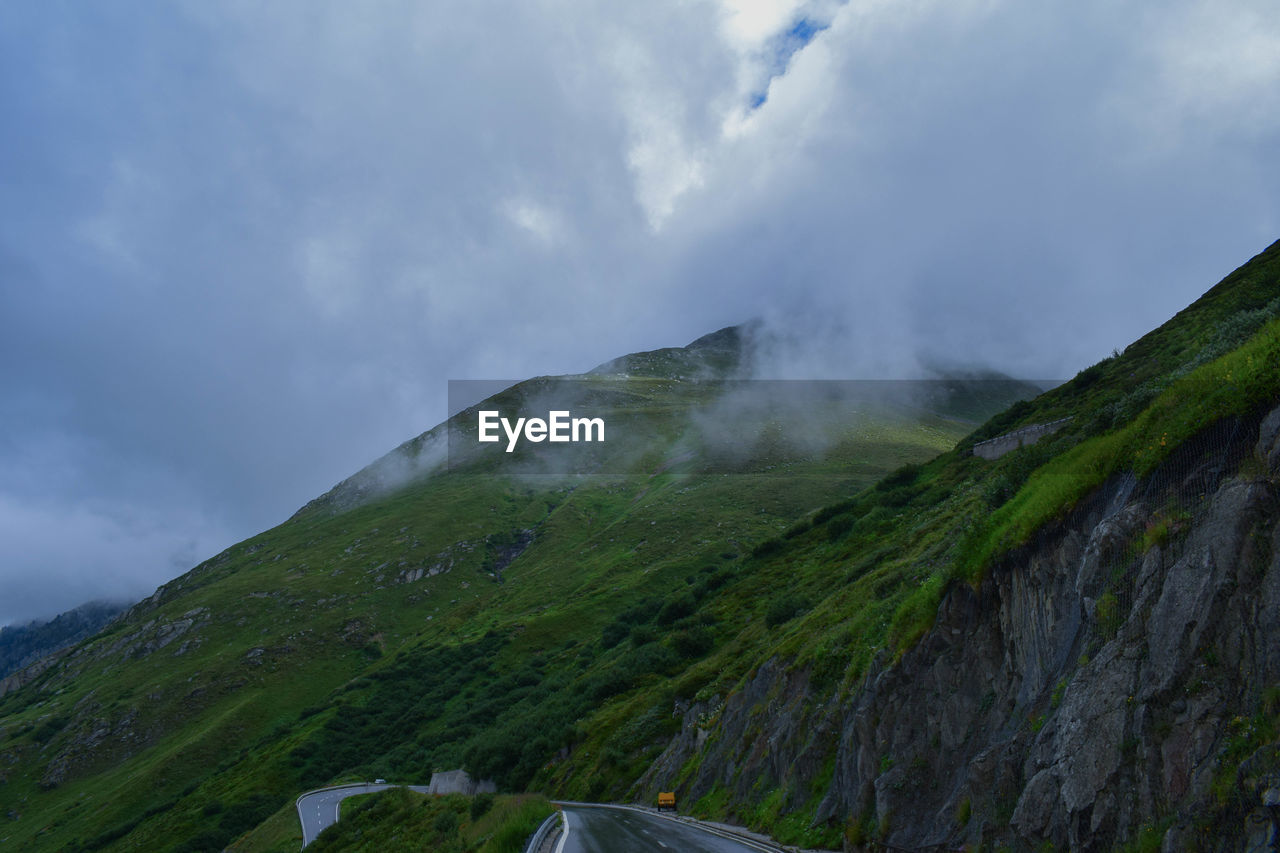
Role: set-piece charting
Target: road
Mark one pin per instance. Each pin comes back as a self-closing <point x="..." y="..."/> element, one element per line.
<point x="319" y="809"/>
<point x="605" y="829"/>
<point x="590" y="828"/>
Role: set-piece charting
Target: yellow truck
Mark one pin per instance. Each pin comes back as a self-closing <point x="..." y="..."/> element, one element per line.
<point x="667" y="800"/>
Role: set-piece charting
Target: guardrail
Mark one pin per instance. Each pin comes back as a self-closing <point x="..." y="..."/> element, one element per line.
<point x="543" y="831"/>
<point x="994" y="448"/>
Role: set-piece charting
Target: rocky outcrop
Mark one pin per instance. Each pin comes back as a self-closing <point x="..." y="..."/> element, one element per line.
<point x="22" y="645"/>
<point x="96" y="733"/>
<point x="1119" y="677"/>
<point x="150" y="637"/>
<point x="459" y="782"/>
<point x="30" y="673"/>
<point x="154" y="635"/>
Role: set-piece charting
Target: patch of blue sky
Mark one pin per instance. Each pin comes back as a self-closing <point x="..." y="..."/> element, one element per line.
<point x="781" y="49"/>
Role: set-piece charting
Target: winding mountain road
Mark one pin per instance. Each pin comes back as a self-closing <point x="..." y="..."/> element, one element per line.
<point x="317" y="810"/>
<point x="593" y="828"/>
<point x="588" y="827"/>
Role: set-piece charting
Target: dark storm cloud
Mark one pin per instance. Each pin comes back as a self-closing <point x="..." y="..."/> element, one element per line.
<point x="244" y="247"/>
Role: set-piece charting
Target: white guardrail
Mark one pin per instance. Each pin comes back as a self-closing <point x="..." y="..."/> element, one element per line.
<point x="543" y="831"/>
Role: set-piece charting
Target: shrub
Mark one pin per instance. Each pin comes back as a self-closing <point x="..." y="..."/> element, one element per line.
<point x="642" y="634"/>
<point x="784" y="609"/>
<point x="445" y="823"/>
<point x="693" y="642"/>
<point x="480" y="804"/>
<point x="50" y="727"/>
<point x="1091" y="374"/>
<point x="615" y="632"/>
<point x="831" y="511"/>
<point x="1107" y="612"/>
<point x="715" y="580"/>
<point x="642" y="612"/>
<point x="839" y="526"/>
<point x="678" y="607"/>
<point x="767" y="548"/>
<point x="796" y="529"/>
<point x="517" y="825"/>
<point x="904" y="476"/>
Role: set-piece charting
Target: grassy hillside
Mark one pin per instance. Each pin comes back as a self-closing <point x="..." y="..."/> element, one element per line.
<point x="426" y="615"/>
<point x="400" y="821"/>
<point x="431" y="613"/>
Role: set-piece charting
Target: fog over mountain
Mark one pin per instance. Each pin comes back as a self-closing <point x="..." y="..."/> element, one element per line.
<point x="243" y="248"/>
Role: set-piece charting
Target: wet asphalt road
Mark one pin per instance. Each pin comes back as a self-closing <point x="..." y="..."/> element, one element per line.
<point x="319" y="809"/>
<point x="592" y="829"/>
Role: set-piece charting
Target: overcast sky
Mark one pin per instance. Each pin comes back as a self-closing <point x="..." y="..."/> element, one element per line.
<point x="244" y="245"/>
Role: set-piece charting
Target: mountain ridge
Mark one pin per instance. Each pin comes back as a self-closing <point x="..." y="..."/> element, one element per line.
<point x="603" y="639"/>
<point x="25" y="643"/>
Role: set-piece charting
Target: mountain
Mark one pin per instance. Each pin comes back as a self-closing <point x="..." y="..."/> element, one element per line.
<point x="24" y="644"/>
<point x="830" y="620"/>
<point x="1086" y="656"/>
<point x="440" y="610"/>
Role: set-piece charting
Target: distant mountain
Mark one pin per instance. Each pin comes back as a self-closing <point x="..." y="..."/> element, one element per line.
<point x="21" y="645"/>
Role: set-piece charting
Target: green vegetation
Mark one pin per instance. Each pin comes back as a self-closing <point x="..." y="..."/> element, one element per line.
<point x="539" y="630"/>
<point x="1233" y="384"/>
<point x="1245" y="736"/>
<point x="1149" y="838"/>
<point x="1108" y="615"/>
<point x="279" y="833"/>
<point x="400" y="820"/>
<point x="460" y="620"/>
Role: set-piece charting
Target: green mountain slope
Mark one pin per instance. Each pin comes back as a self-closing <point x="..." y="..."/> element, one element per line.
<point x="726" y="625"/>
<point x="437" y="610"/>
<point x="956" y="607"/>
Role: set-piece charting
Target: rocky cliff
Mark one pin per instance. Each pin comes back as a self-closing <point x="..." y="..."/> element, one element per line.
<point x="1115" y="682"/>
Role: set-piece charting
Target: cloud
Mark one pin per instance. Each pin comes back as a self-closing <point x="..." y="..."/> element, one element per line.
<point x="57" y="556"/>
<point x="1221" y="64"/>
<point x="245" y="246"/>
<point x="541" y="222"/>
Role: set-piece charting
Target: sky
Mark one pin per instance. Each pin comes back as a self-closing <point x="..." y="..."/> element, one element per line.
<point x="243" y="246"/>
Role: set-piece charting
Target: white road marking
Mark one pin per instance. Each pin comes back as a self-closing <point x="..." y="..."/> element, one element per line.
<point x="688" y="822"/>
<point x="564" y="816"/>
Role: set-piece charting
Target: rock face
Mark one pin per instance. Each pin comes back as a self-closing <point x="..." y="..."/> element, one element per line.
<point x="459" y="782"/>
<point x="1118" y="678"/>
<point x="30" y="673"/>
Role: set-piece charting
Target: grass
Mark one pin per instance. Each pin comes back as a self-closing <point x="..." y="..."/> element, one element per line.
<point x="1232" y="384"/>
<point x="309" y="633"/>
<point x="309" y="655"/>
<point x="280" y="833"/>
<point x="401" y="820"/>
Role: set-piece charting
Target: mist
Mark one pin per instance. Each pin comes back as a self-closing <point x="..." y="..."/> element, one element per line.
<point x="244" y="248"/>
